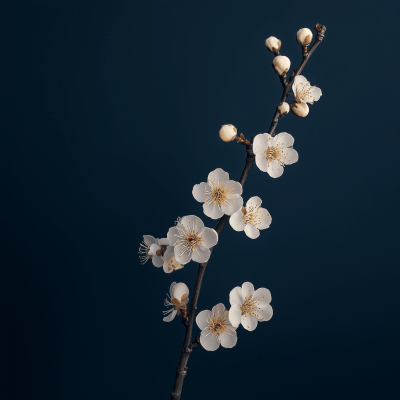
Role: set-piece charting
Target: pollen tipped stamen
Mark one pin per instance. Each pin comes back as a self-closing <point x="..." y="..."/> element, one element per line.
<point x="189" y="239"/>
<point x="144" y="253"/>
<point x="218" y="194"/>
<point x="252" y="215"/>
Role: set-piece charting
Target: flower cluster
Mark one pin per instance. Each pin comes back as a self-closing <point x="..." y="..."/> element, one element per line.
<point x="248" y="307"/>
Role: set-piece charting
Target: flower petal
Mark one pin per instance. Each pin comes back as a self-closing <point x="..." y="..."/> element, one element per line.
<point x="173" y="235"/>
<point x="210" y="237"/>
<point x="236" y="296"/>
<point x="300" y="79"/>
<point x="201" y="319"/>
<point x="218" y="175"/>
<point x="201" y="254"/>
<point x="264" y="314"/>
<point x="199" y="192"/>
<point x="218" y="309"/>
<point x="212" y="211"/>
<point x="236" y="187"/>
<point x="163" y="242"/>
<point x="237" y="221"/>
<point x="228" y="340"/>
<point x="235" y="315"/>
<point x="179" y="290"/>
<point x="266" y="219"/>
<point x="153" y="249"/>
<point x="275" y="170"/>
<point x="170" y="288"/>
<point x="283" y="139"/>
<point x="249" y="323"/>
<point x="157" y="261"/>
<point x="237" y="203"/>
<point x="253" y="202"/>
<point x="251" y="231"/>
<point x="190" y="221"/>
<point x="290" y="156"/>
<point x="264" y="297"/>
<point x="170" y="317"/>
<point x="247" y="289"/>
<point x="316" y="93"/>
<point x="262" y="162"/>
<point x="208" y="340"/>
<point x="261" y="142"/>
<point x="184" y="258"/>
<point x="149" y="240"/>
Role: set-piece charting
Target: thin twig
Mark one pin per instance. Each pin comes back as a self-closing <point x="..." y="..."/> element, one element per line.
<point x="286" y="87"/>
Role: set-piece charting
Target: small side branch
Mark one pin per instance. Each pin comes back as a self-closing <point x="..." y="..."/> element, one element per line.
<point x="286" y="87"/>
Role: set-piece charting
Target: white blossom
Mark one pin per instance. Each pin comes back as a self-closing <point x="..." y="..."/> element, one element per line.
<point x="216" y="328"/>
<point x="170" y="263"/>
<point x="283" y="108"/>
<point x="251" y="218"/>
<point x="248" y="307"/>
<point x="219" y="194"/>
<point x="177" y="299"/>
<point x="191" y="240"/>
<point x="304" y="92"/>
<point x="272" y="153"/>
<point x="299" y="109"/>
<point x="151" y="248"/>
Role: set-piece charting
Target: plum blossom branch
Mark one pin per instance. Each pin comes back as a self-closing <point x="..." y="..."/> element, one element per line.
<point x="286" y="86"/>
<point x="188" y="346"/>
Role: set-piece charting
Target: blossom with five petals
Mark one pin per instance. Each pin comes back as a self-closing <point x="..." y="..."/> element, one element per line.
<point x="178" y="298"/>
<point x="249" y="306"/>
<point x="304" y="92"/>
<point x="251" y="218"/>
<point x="216" y="328"/>
<point x="219" y="194"/>
<point x="192" y="240"/>
<point x="272" y="153"/>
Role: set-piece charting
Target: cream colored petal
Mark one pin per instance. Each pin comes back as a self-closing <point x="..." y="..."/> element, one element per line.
<point x="170" y="317"/>
<point x="184" y="258"/>
<point x="236" y="204"/>
<point x="262" y="162"/>
<point x="261" y="142"/>
<point x="149" y="240"/>
<point x="263" y="297"/>
<point x="283" y="139"/>
<point x="236" y="296"/>
<point x="191" y="221"/>
<point x="208" y="340"/>
<point x="251" y="231"/>
<point x="249" y="323"/>
<point x="210" y="237"/>
<point x="201" y="254"/>
<point x="212" y="211"/>
<point x="266" y="219"/>
<point x="290" y="156"/>
<point x="201" y="319"/>
<point x="236" y="221"/>
<point x="275" y="170"/>
<point x="179" y="290"/>
<point x="235" y="315"/>
<point x="253" y="202"/>
<point x="264" y="314"/>
<point x="247" y="289"/>
<point x="218" y="175"/>
<point x="228" y="340"/>
<point x="172" y="235"/>
<point x="199" y="192"/>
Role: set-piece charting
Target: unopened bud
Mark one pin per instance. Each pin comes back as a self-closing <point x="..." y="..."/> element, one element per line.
<point x="273" y="44"/>
<point x="299" y="109"/>
<point x="281" y="64"/>
<point x="227" y="133"/>
<point x="304" y="36"/>
<point x="283" y="108"/>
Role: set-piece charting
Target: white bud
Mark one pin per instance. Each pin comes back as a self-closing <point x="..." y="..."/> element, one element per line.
<point x="283" y="108"/>
<point x="281" y="64"/>
<point x="273" y="44"/>
<point x="304" y="36"/>
<point x="227" y="133"/>
<point x="299" y="109"/>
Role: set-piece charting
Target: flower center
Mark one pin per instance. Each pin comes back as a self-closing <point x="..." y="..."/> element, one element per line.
<point x="218" y="193"/>
<point x="249" y="306"/>
<point x="252" y="215"/>
<point x="189" y="238"/>
<point x="303" y="92"/>
<point x="217" y="325"/>
<point x="273" y="153"/>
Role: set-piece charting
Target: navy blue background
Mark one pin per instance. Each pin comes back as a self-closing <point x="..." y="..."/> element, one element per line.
<point x="111" y="114"/>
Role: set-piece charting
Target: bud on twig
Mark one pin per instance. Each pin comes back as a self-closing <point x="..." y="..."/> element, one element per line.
<point x="273" y="45"/>
<point x="227" y="133"/>
<point x="281" y="65"/>
<point x="283" y="108"/>
<point x="299" y="109"/>
<point x="304" y="36"/>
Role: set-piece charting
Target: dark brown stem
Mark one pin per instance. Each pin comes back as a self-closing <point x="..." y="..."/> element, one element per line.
<point x="286" y="87"/>
<point x="188" y="346"/>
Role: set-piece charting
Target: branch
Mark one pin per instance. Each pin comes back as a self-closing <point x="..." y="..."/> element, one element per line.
<point x="286" y="87"/>
<point x="188" y="346"/>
